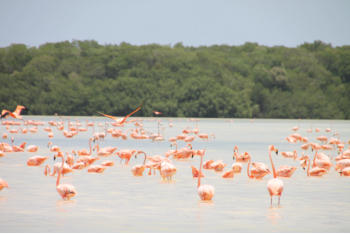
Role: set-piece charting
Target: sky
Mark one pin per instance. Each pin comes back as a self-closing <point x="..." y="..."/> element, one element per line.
<point x="192" y="22"/>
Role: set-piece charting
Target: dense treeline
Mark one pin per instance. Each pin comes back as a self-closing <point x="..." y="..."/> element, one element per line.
<point x="82" y="77"/>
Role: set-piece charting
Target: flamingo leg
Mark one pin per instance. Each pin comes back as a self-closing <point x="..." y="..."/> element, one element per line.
<point x="271" y="201"/>
<point x="279" y="197"/>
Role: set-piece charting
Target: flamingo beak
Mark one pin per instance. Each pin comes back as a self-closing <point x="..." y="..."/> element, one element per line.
<point x="276" y="151"/>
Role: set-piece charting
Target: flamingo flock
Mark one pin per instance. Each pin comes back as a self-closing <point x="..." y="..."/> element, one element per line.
<point x="317" y="158"/>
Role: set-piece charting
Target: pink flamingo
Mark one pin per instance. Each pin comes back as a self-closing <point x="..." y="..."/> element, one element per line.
<point x="236" y="166"/>
<point x="84" y="152"/>
<point x="66" y="191"/>
<point x="228" y="174"/>
<point x="121" y="121"/>
<point x="126" y="154"/>
<point x="285" y="171"/>
<point x="218" y="165"/>
<point x="138" y="170"/>
<point x="316" y="171"/>
<point x="292" y="155"/>
<point x="32" y="148"/>
<point x="107" y="163"/>
<point x="36" y="160"/>
<point x="205" y="191"/>
<point x="195" y="172"/>
<point x="16" y="114"/>
<point x="258" y="171"/>
<point x="96" y="169"/>
<point x="167" y="170"/>
<point x="3" y="184"/>
<point x="245" y="157"/>
<point x="275" y="185"/>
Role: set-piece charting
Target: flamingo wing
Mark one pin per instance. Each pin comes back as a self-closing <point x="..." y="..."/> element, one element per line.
<point x="127" y="116"/>
<point x="109" y="116"/>
<point x="5" y="113"/>
<point x="19" y="109"/>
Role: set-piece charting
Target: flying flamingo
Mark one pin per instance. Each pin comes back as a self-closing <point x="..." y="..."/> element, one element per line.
<point x="157" y="112"/>
<point x="3" y="184"/>
<point x="16" y="114"/>
<point x="205" y="191"/>
<point x="121" y="121"/>
<point x="66" y="191"/>
<point x="275" y="185"/>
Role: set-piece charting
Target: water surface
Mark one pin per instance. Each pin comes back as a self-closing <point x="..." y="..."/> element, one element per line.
<point x="116" y="201"/>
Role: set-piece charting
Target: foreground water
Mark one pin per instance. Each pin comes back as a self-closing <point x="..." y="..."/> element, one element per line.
<point x="116" y="201"/>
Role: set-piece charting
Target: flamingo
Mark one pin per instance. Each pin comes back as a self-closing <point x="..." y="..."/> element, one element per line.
<point x="36" y="160"/>
<point x="167" y="170"/>
<point x="218" y="165"/>
<point x="84" y="152"/>
<point x="195" y="172"/>
<point x="241" y="158"/>
<point x="205" y="191"/>
<point x="275" y="185"/>
<point x="96" y="169"/>
<point x="126" y="154"/>
<point x="105" y="151"/>
<point x="285" y="171"/>
<point x="66" y="191"/>
<point x="138" y="170"/>
<point x="258" y="171"/>
<point x="107" y="163"/>
<point x="16" y="114"/>
<point x="57" y="167"/>
<point x="121" y="121"/>
<point x="316" y="171"/>
<point x="3" y="184"/>
<point x="237" y="166"/>
<point x="32" y="148"/>
<point x="228" y="174"/>
<point x="292" y="155"/>
<point x="345" y="171"/>
<point x="322" y="160"/>
<point x="207" y="164"/>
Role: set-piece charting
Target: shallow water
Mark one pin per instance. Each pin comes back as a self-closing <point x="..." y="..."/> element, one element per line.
<point x="116" y="201"/>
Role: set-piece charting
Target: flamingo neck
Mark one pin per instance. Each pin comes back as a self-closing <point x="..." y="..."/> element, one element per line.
<point x="89" y="146"/>
<point x="200" y="172"/>
<point x="60" y="172"/>
<point x="247" y="168"/>
<point x="273" y="166"/>
<point x="308" y="167"/>
<point x="313" y="161"/>
<point x="142" y="152"/>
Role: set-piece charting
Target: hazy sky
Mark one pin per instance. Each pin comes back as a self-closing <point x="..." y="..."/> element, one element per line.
<point x="192" y="22"/>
